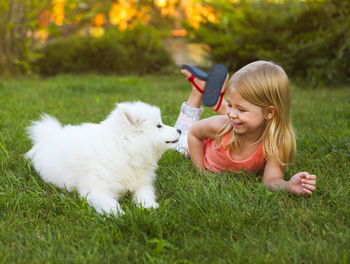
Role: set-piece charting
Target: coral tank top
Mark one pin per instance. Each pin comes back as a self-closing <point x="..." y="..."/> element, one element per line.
<point x="217" y="158"/>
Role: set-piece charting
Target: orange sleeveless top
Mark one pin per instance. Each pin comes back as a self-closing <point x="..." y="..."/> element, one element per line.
<point x="217" y="158"/>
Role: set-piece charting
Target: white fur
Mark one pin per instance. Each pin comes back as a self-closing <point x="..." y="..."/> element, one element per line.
<point x="103" y="161"/>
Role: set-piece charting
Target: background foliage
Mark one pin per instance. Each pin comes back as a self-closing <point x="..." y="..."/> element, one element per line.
<point x="21" y="22"/>
<point x="18" y="21"/>
<point x="135" y="51"/>
<point x="310" y="39"/>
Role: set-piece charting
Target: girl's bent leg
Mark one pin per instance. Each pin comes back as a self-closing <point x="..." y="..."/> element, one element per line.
<point x="188" y="116"/>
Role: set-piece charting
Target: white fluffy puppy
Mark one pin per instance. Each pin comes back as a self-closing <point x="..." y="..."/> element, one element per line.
<point x="103" y="161"/>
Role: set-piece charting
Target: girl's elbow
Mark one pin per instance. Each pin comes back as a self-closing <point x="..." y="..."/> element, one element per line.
<point x="191" y="130"/>
<point x="266" y="182"/>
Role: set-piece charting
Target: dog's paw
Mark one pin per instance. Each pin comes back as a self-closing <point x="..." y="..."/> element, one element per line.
<point x="154" y="205"/>
<point x="116" y="212"/>
<point x="110" y="211"/>
<point x="104" y="204"/>
<point x="149" y="204"/>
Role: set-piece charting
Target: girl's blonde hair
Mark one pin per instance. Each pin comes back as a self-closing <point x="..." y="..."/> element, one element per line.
<point x="265" y="84"/>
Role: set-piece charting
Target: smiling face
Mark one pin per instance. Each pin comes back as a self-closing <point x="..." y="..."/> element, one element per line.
<point x="259" y="106"/>
<point x="246" y="118"/>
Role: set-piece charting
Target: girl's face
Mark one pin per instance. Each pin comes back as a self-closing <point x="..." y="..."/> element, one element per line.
<point x="246" y="118"/>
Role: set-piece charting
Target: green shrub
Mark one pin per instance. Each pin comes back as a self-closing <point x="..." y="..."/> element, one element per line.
<point x="145" y="49"/>
<point x="310" y="39"/>
<point x="136" y="51"/>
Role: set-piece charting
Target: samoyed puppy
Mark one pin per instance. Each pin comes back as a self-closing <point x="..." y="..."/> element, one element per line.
<point x="105" y="160"/>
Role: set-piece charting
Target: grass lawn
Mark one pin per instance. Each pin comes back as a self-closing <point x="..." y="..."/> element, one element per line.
<point x="227" y="218"/>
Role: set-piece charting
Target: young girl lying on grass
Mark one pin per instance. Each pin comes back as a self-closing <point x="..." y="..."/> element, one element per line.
<point x="252" y="132"/>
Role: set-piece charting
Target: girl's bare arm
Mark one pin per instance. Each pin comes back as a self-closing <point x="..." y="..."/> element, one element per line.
<point x="300" y="183"/>
<point x="206" y="128"/>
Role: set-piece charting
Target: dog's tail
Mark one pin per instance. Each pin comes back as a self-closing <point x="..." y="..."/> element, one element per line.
<point x="40" y="130"/>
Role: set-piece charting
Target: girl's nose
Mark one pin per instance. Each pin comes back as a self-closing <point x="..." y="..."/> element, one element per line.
<point x="232" y="113"/>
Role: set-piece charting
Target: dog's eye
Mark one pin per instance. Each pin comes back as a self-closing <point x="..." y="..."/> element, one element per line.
<point x="159" y="125"/>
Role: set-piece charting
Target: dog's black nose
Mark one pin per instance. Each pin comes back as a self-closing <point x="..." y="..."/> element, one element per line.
<point x="178" y="131"/>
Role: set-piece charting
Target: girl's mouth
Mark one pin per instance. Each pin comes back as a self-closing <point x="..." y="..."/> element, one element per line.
<point x="236" y="125"/>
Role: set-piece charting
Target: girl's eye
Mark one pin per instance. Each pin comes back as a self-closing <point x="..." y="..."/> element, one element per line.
<point x="229" y="105"/>
<point x="159" y="125"/>
<point x="241" y="110"/>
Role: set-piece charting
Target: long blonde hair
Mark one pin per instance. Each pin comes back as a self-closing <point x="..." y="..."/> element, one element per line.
<point x="264" y="83"/>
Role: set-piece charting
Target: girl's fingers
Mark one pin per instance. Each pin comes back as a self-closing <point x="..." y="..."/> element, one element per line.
<point x="309" y="187"/>
<point x="311" y="182"/>
<point x="307" y="192"/>
<point x="303" y="174"/>
<point x="311" y="177"/>
<point x="306" y="175"/>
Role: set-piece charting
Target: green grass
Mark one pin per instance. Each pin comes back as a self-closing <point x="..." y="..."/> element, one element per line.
<point x="228" y="218"/>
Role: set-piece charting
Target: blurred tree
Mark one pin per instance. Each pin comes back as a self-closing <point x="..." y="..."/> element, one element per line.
<point x="18" y="22"/>
<point x="95" y="17"/>
<point x="27" y="24"/>
<point x="310" y="39"/>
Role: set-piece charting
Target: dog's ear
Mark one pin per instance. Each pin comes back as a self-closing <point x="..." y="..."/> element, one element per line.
<point x="133" y="120"/>
<point x="128" y="117"/>
<point x="127" y="113"/>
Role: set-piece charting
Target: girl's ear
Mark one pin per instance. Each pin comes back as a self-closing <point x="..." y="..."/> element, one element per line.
<point x="270" y="112"/>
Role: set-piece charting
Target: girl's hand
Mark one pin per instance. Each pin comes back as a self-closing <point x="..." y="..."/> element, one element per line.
<point x="302" y="183"/>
